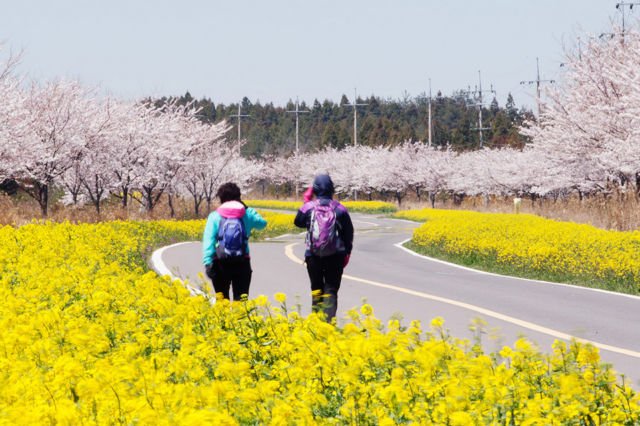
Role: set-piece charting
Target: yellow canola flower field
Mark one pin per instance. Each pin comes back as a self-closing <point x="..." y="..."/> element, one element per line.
<point x="277" y="224"/>
<point x="528" y="243"/>
<point x="90" y="336"/>
<point x="353" y="206"/>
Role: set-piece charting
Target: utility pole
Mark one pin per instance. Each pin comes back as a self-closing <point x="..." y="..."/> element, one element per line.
<point x="239" y="116"/>
<point x="538" y="83"/>
<point x="479" y="102"/>
<point x="355" y="106"/>
<point x="622" y="7"/>
<point x="297" y="112"/>
<point x="429" y="113"/>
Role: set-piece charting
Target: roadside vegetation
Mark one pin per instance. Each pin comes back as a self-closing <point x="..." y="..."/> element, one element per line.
<point x="530" y="246"/>
<point x="91" y="336"/>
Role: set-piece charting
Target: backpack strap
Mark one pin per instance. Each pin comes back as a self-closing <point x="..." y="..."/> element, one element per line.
<point x="223" y="220"/>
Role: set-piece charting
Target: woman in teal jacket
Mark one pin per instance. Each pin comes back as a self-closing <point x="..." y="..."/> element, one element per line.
<point x="231" y="224"/>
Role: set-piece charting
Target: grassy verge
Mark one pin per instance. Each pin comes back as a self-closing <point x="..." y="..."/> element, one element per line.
<point x="488" y="264"/>
<point x="528" y="246"/>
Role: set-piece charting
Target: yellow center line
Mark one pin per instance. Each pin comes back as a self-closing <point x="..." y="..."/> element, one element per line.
<point x="288" y="250"/>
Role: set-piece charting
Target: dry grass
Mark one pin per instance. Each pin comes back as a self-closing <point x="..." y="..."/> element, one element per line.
<point x="619" y="212"/>
<point x="614" y="213"/>
<point x="20" y="210"/>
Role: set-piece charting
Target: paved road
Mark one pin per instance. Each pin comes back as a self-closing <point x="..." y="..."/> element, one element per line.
<point x="397" y="282"/>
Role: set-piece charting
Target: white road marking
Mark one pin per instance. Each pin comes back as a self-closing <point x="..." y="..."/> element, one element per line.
<point x="516" y="321"/>
<point x="288" y="251"/>
<point x="161" y="269"/>
<point x="401" y="246"/>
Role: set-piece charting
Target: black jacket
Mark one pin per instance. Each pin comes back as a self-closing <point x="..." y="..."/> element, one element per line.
<point x="345" y="226"/>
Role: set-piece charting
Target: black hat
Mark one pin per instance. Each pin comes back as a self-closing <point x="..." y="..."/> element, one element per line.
<point x="323" y="186"/>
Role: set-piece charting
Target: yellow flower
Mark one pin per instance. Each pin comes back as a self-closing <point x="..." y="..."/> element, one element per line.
<point x="366" y="309"/>
<point x="89" y="336"/>
<point x="262" y="300"/>
<point x="437" y="322"/>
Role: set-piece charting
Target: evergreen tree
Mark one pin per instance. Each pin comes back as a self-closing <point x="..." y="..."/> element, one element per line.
<point x="270" y="130"/>
<point x="512" y="111"/>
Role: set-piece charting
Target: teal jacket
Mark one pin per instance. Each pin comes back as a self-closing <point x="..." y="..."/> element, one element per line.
<point x="230" y="209"/>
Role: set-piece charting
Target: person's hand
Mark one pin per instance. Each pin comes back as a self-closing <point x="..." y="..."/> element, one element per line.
<point x="346" y="260"/>
<point x="308" y="194"/>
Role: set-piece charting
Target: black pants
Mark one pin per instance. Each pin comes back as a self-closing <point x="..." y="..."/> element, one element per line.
<point x="231" y="273"/>
<point x="325" y="274"/>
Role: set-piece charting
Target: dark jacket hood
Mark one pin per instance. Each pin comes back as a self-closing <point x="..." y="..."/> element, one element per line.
<point x="323" y="186"/>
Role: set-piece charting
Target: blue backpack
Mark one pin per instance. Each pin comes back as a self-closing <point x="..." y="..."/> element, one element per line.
<point x="232" y="239"/>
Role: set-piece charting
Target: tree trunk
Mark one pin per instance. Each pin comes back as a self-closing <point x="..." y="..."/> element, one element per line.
<point x="125" y="197"/>
<point x="208" y="204"/>
<point x="170" y="201"/>
<point x="196" y="206"/>
<point x="43" y="198"/>
<point x="432" y="198"/>
<point x="457" y="199"/>
<point x="399" y="197"/>
<point x="149" y="199"/>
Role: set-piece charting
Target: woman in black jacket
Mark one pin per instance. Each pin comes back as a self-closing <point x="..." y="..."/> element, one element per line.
<point x="329" y="243"/>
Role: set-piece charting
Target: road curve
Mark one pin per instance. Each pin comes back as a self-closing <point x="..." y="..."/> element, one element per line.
<point x="397" y="282"/>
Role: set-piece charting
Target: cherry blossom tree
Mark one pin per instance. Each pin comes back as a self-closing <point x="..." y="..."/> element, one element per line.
<point x="433" y="168"/>
<point x="590" y="127"/>
<point x="98" y="163"/>
<point x="133" y="138"/>
<point x="397" y="167"/>
<point x="13" y="114"/>
<point x="13" y="119"/>
<point x="56" y="114"/>
<point x="204" y="167"/>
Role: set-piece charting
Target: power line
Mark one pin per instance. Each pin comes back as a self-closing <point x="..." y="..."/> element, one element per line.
<point x="239" y="116"/>
<point x="479" y="103"/>
<point x="355" y="106"/>
<point x="538" y="82"/>
<point x="297" y="112"/>
<point x="622" y="6"/>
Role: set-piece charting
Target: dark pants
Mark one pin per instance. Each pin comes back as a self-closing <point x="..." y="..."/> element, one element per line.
<point x="325" y="274"/>
<point x="231" y="273"/>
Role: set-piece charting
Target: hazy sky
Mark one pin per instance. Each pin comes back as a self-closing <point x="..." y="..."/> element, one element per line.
<point x="275" y="50"/>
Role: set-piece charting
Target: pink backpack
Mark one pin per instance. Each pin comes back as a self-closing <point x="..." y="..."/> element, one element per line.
<point x="322" y="237"/>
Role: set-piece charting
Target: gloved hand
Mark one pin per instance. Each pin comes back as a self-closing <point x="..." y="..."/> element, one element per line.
<point x="209" y="270"/>
<point x="346" y="260"/>
<point x="308" y="194"/>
